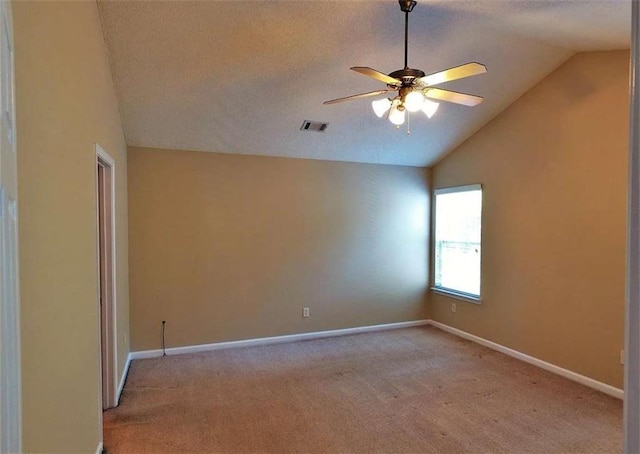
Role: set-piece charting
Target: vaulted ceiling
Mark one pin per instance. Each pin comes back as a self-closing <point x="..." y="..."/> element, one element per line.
<point x="241" y="76"/>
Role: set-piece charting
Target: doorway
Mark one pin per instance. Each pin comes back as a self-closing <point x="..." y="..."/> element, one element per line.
<point x="106" y="263"/>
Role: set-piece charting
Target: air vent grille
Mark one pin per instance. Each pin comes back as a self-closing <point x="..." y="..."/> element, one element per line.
<point x="317" y="126"/>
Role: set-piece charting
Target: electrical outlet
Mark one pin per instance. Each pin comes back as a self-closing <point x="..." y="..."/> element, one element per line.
<point x="621" y="356"/>
<point x="453" y="307"/>
<point x="305" y="312"/>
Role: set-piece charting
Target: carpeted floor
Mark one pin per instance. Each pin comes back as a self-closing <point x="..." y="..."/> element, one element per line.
<point x="415" y="390"/>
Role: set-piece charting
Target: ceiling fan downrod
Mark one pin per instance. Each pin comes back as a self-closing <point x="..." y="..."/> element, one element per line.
<point x="406" y="75"/>
<point x="406" y="6"/>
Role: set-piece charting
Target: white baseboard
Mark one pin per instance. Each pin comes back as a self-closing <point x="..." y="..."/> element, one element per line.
<point x="274" y="340"/>
<point x="100" y="448"/>
<point x="591" y="383"/>
<point x="123" y="379"/>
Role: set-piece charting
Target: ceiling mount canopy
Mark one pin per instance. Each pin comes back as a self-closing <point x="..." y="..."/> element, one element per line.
<point x="414" y="88"/>
<point x="407" y="5"/>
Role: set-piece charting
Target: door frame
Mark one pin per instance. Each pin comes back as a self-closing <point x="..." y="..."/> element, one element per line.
<point x="632" y="310"/>
<point x="10" y="332"/>
<point x="108" y="394"/>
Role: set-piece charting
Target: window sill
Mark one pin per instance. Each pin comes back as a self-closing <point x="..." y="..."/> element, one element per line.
<point x="457" y="295"/>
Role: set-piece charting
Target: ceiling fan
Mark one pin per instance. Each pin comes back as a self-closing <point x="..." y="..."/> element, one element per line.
<point x="415" y="90"/>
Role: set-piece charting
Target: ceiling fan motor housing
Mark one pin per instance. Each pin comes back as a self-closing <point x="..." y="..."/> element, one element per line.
<point x="406" y="75"/>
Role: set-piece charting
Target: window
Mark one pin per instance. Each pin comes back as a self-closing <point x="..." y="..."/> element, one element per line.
<point x="458" y="213"/>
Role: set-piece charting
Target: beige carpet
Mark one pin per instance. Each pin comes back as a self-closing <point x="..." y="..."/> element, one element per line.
<point x="415" y="390"/>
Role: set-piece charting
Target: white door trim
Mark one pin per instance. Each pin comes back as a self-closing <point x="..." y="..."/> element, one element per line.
<point x="103" y="158"/>
<point x="10" y="352"/>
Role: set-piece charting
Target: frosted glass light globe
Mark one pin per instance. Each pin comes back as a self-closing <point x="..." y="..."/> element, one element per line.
<point x="429" y="107"/>
<point x="413" y="101"/>
<point x="380" y="106"/>
<point x="397" y="114"/>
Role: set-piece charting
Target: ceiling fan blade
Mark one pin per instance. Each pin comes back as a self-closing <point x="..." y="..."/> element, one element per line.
<point x="453" y="96"/>
<point x="455" y="73"/>
<point x="361" y="95"/>
<point x="377" y="75"/>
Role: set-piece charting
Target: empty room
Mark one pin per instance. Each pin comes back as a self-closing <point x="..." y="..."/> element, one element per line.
<point x="358" y="226"/>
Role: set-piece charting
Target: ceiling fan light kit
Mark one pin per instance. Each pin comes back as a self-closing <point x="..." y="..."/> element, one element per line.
<point x="413" y="101"/>
<point x="414" y="89"/>
<point x="381" y="106"/>
<point x="429" y="108"/>
<point x="397" y="113"/>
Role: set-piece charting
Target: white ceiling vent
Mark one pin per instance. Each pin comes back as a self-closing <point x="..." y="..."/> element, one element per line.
<point x="318" y="126"/>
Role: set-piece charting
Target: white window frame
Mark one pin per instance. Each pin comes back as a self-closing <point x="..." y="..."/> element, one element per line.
<point x="453" y="293"/>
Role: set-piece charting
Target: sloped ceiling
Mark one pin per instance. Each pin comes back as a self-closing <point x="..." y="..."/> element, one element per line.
<point x="241" y="76"/>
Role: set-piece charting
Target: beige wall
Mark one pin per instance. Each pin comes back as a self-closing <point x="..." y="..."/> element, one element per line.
<point x="230" y="247"/>
<point x="65" y="103"/>
<point x="554" y="171"/>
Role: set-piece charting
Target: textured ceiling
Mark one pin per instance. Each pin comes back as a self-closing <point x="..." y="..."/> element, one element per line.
<point x="240" y="77"/>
